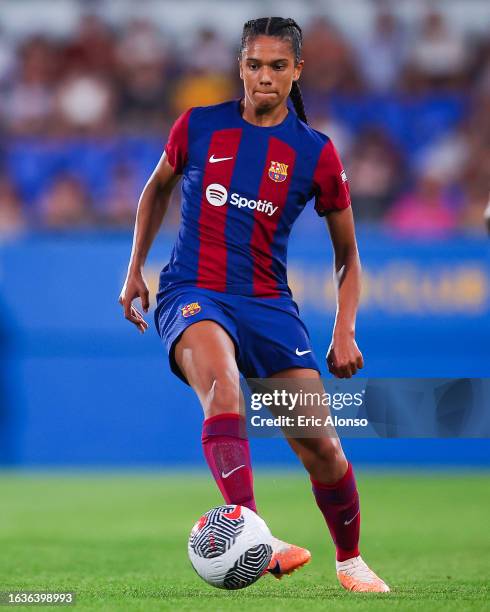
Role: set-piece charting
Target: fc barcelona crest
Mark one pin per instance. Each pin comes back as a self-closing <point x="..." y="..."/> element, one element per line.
<point x="278" y="172"/>
<point x="191" y="309"/>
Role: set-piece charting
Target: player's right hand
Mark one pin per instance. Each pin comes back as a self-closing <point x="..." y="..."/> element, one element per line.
<point x="134" y="287"/>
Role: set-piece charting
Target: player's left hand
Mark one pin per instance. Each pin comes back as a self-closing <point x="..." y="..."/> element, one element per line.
<point x="344" y="357"/>
<point x="134" y="287"/>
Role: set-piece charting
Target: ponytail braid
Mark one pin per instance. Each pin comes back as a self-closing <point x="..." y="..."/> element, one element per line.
<point x="286" y="29"/>
<point x="297" y="100"/>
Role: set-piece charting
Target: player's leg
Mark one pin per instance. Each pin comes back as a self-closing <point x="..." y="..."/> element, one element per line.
<point x="205" y="354"/>
<point x="277" y="344"/>
<point x="331" y="475"/>
<point x="335" y="490"/>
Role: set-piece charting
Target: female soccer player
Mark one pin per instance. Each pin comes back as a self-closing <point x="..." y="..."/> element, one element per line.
<point x="249" y="167"/>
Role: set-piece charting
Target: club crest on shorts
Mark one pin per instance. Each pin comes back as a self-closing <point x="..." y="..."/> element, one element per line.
<point x="278" y="172"/>
<point x="191" y="309"/>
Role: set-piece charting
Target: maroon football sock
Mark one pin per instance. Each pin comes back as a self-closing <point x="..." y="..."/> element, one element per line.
<point x="339" y="504"/>
<point x="227" y="452"/>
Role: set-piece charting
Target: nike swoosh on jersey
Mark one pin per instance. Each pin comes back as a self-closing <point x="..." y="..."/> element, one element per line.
<point x="226" y="474"/>
<point x="214" y="160"/>
<point x="301" y="353"/>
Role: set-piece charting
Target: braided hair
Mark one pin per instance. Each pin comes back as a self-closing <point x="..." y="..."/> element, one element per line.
<point x="286" y="29"/>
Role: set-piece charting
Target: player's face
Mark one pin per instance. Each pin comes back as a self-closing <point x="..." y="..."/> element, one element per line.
<point x="267" y="68"/>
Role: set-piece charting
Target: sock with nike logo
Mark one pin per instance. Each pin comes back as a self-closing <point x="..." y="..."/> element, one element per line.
<point x="339" y="504"/>
<point x="227" y="452"/>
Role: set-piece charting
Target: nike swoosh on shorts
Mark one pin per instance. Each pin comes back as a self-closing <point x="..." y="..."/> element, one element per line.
<point x="301" y="353"/>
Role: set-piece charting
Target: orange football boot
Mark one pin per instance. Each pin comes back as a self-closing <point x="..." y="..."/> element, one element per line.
<point x="286" y="558"/>
<point x="355" y="575"/>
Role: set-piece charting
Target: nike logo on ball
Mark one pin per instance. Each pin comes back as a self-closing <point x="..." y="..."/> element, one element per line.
<point x="301" y="353"/>
<point x="226" y="474"/>
<point x="214" y="160"/>
<point x="349" y="522"/>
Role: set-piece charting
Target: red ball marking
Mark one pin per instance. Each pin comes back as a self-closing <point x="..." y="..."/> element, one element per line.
<point x="202" y="521"/>
<point x="235" y="514"/>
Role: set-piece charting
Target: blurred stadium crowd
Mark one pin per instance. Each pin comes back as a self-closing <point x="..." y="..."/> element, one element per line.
<point x="83" y="118"/>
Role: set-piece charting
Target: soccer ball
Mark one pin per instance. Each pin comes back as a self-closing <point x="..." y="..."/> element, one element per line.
<point x="230" y="547"/>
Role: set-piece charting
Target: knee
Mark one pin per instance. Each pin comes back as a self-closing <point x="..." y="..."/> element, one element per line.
<point x="326" y="461"/>
<point x="322" y="456"/>
<point x="328" y="451"/>
<point x="224" y="392"/>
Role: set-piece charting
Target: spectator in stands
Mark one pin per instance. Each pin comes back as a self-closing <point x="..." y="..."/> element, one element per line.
<point x="65" y="205"/>
<point x="122" y="86"/>
<point x="12" y="219"/>
<point x="7" y="59"/>
<point x="382" y="54"/>
<point x="438" y="56"/>
<point x="28" y="102"/>
<point x="329" y="60"/>
<point x="477" y="201"/>
<point x="123" y="197"/>
<point x="209" y="52"/>
<point x="475" y="182"/>
<point x="200" y="88"/>
<point x="373" y="171"/>
<point x="85" y="104"/>
<point x="448" y="155"/>
<point x="207" y="77"/>
<point x="424" y="212"/>
<point x="92" y="49"/>
<point x="143" y="99"/>
<point x="140" y="44"/>
<point x="325" y="122"/>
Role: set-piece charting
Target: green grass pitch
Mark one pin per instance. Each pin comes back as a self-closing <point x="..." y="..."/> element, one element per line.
<point x="120" y="541"/>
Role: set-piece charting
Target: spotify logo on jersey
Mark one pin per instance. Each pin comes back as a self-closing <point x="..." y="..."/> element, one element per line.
<point x="216" y="194"/>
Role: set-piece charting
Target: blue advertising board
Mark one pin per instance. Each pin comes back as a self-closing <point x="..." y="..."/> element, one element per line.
<point x="80" y="386"/>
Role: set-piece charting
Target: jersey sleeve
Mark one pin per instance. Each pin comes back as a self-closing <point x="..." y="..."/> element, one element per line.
<point x="178" y="142"/>
<point x="330" y="185"/>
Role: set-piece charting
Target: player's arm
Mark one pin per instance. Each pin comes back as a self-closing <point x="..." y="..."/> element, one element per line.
<point x="152" y="206"/>
<point x="343" y="357"/>
<point x="486" y="216"/>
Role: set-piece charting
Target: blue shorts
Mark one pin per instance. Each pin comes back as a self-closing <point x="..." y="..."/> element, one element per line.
<point x="268" y="334"/>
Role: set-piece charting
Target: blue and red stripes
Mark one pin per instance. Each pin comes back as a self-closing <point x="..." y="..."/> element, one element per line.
<point x="265" y="227"/>
<point x="212" y="260"/>
<point x="259" y="181"/>
<point x="177" y="148"/>
<point x="251" y="232"/>
<point x="330" y="181"/>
